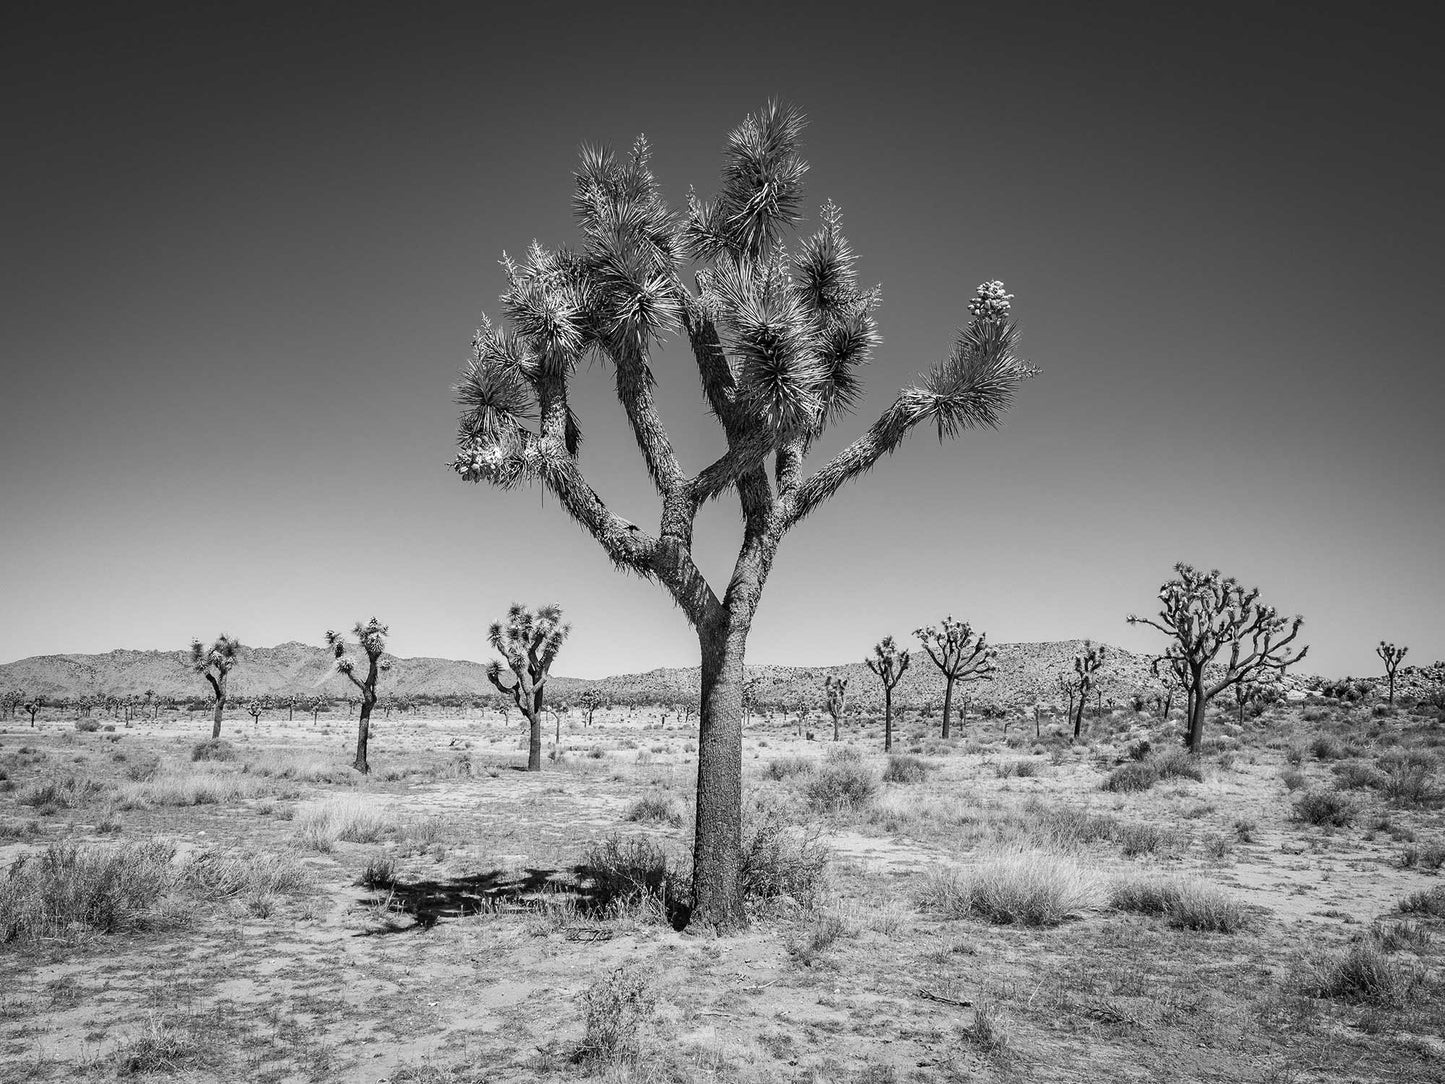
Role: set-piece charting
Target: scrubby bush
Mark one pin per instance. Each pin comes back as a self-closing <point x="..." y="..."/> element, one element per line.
<point x="213" y="749"/>
<point x="782" y="862"/>
<point x="629" y="875"/>
<point x="1135" y="775"/>
<point x="56" y="794"/>
<point x="1357" y="774"/>
<point x="1429" y="902"/>
<point x="654" y="809"/>
<point x="843" y="783"/>
<point x="87" y="726"/>
<point x="1427" y="857"/>
<point x="618" y="1009"/>
<point x="903" y="768"/>
<point x="1362" y="973"/>
<point x="786" y="767"/>
<point x="344" y="818"/>
<point x="1176" y="762"/>
<point x="1292" y="778"/>
<point x="1325" y="807"/>
<point x="1030" y="888"/>
<point x="1324" y="747"/>
<point x="69" y="886"/>
<point x="1185" y="903"/>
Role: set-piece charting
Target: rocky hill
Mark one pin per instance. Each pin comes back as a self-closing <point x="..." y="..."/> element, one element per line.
<point x="1026" y="672"/>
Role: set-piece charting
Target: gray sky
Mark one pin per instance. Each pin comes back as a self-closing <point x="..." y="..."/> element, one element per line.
<point x="244" y="254"/>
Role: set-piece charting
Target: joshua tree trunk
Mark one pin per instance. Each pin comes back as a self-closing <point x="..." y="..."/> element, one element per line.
<point x="887" y="719"/>
<point x="947" y="702"/>
<point x="717" y="851"/>
<point x="363" y="736"/>
<point x="1197" y="704"/>
<point x="835" y="728"/>
<point x="1079" y="715"/>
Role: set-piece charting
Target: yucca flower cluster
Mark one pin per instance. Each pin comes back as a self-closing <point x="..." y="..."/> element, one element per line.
<point x="990" y="302"/>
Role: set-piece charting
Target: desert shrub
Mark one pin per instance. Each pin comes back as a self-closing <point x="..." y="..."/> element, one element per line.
<point x="1030" y="888"/>
<point x="1429" y="902"/>
<point x="1023" y="768"/>
<point x="843" y="783"/>
<point x="87" y="726"/>
<point x="1068" y="827"/>
<point x="213" y="749"/>
<point x="1324" y="747"/>
<point x="821" y="936"/>
<point x="1411" y="787"/>
<point x="905" y="769"/>
<point x="985" y="1034"/>
<point x="226" y="874"/>
<point x="618" y="1009"/>
<point x="64" y="793"/>
<point x="784" y="767"/>
<point x="1393" y="936"/>
<point x="379" y="872"/>
<point x="185" y="789"/>
<point x="1176" y="762"/>
<point x="142" y="768"/>
<point x="1362" y="973"/>
<point x="1357" y="774"/>
<point x="630" y="875"/>
<point x="1136" y="775"/>
<point x="1325" y="807"/>
<point x="782" y="862"/>
<point x="344" y="818"/>
<point x="1292" y="778"/>
<point x="653" y="809"/>
<point x="69" y="886"/>
<point x="1185" y="903"/>
<point x="1424" y="856"/>
<point x="159" y="1048"/>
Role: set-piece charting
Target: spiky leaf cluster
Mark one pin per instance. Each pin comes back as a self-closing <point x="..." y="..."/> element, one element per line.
<point x="1391" y="655"/>
<point x="371" y="638"/>
<point x="528" y="643"/>
<point x="889" y="662"/>
<point x="1086" y="666"/>
<point x="835" y="688"/>
<point x="956" y="651"/>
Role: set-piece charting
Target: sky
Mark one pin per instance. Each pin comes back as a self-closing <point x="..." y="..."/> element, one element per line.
<point x="244" y="251"/>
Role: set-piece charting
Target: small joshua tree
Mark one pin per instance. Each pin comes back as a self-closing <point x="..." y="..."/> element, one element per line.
<point x="316" y="705"/>
<point x="1391" y="656"/>
<point x="528" y="642"/>
<point x="33" y="706"/>
<point x="1086" y="666"/>
<point x="254" y="707"/>
<point x="588" y="702"/>
<point x="889" y="663"/>
<point x="1204" y="614"/>
<point x="371" y="636"/>
<point x="958" y="656"/>
<point x="835" y="688"/>
<point x="215" y="664"/>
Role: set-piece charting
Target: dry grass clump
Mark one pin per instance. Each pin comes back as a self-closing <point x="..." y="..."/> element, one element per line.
<point x="1186" y="903"/>
<point x="1071" y="827"/>
<point x="1135" y="775"/>
<point x="1429" y="902"/>
<point x="843" y="783"/>
<point x="782" y="862"/>
<point x="1325" y="808"/>
<point x="1030" y="888"/>
<point x="159" y="1048"/>
<point x="229" y="874"/>
<point x="618" y="1009"/>
<point x="630" y="877"/>
<point x="905" y="768"/>
<point x="301" y="769"/>
<point x="785" y="767"/>
<point x="69" y="887"/>
<point x="654" y="809"/>
<point x="54" y="794"/>
<point x="1362" y="973"/>
<point x="213" y="749"/>
<point x="186" y="787"/>
<point x="347" y="818"/>
<point x="1174" y="762"/>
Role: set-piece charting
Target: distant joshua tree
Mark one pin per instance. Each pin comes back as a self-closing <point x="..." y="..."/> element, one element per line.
<point x="958" y="656"/>
<point x="889" y="663"/>
<point x="1204" y="614"/>
<point x="778" y="332"/>
<point x="529" y="642"/>
<point x="588" y="702"/>
<point x="1086" y="666"/>
<point x="835" y="688"/>
<point x="33" y="706"/>
<point x="316" y="704"/>
<point x="371" y="636"/>
<point x="1391" y="656"/>
<point x="255" y="706"/>
<point x="215" y="664"/>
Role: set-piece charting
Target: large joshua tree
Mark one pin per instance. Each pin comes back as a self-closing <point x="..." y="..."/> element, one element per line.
<point x="529" y="642"/>
<point x="215" y="664"/>
<point x="778" y="337"/>
<point x="1086" y="668"/>
<point x="958" y="656"/>
<point x="889" y="663"/>
<point x="371" y="637"/>
<point x="1205" y="614"/>
<point x="1391" y="656"/>
<point x="835" y="688"/>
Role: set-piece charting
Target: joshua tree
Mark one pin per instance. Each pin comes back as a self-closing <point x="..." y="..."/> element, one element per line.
<point x="33" y="706"/>
<point x="371" y="636"/>
<point x="835" y="688"/>
<point x="1204" y="614"/>
<point x="778" y="336"/>
<point x="589" y="701"/>
<point x="254" y="707"/>
<point x="316" y="705"/>
<point x="289" y="702"/>
<point x="528" y="642"/>
<point x="1086" y="665"/>
<point x="1391" y="656"/>
<point x="958" y="656"/>
<point x="889" y="664"/>
<point x="215" y="664"/>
